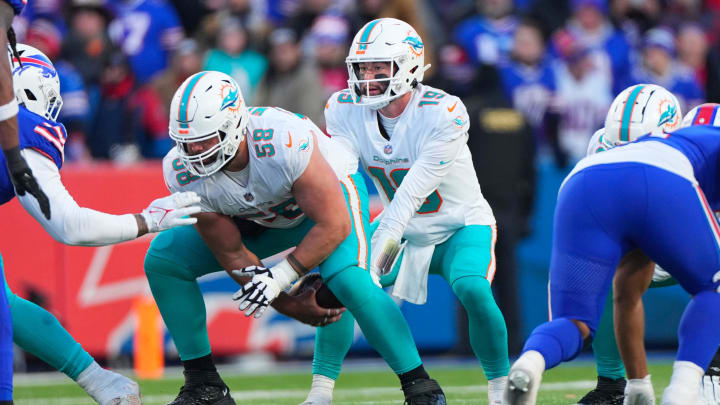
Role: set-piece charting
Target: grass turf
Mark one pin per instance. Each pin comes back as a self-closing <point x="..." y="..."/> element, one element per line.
<point x="463" y="385"/>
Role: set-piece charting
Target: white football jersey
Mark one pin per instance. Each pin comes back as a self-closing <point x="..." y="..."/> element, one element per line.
<point x="279" y="145"/>
<point x="431" y="116"/>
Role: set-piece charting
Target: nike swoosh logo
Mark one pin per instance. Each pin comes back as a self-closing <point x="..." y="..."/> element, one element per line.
<point x="450" y="109"/>
<point x="225" y="391"/>
<point x="289" y="144"/>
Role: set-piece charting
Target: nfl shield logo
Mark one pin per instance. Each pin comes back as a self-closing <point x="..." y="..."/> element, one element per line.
<point x="249" y="197"/>
<point x="388" y="149"/>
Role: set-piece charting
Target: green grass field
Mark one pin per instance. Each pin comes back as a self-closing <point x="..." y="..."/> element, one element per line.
<point x="463" y="385"/>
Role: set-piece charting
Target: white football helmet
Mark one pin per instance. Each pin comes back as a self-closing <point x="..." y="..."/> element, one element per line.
<point x="639" y="110"/>
<point x="704" y="114"/>
<point x="36" y="82"/>
<point x="208" y="105"/>
<point x="386" y="40"/>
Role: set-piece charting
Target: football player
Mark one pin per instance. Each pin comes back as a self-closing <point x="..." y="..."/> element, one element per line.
<point x="42" y="141"/>
<point x="20" y="174"/>
<point x="651" y="197"/>
<point x="288" y="185"/>
<point x="412" y="141"/>
<point x="636" y="111"/>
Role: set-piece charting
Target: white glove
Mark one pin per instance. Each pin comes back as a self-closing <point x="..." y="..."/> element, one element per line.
<point x="385" y="251"/>
<point x="265" y="286"/>
<point x="711" y="389"/>
<point x="639" y="392"/>
<point x="169" y="212"/>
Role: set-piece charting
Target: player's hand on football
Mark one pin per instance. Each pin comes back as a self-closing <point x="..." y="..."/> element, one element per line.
<point x="171" y="211"/>
<point x="23" y="180"/>
<point x="304" y="307"/>
<point x="264" y="286"/>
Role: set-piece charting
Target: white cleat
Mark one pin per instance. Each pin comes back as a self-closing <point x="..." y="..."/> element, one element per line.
<point x="108" y="387"/>
<point x="711" y="389"/>
<point x="524" y="379"/>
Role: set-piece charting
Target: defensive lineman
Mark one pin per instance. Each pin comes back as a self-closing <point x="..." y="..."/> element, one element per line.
<point x="655" y="195"/>
<point x="285" y="179"/>
<point x="411" y="139"/>
<point x="42" y="141"/>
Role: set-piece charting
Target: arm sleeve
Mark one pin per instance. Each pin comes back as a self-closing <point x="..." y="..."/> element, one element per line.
<point x="426" y="174"/>
<point x="71" y="224"/>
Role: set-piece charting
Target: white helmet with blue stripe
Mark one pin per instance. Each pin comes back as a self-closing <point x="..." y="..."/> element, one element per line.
<point x="208" y="105"/>
<point x="386" y="40"/>
<point x="36" y="82"/>
<point x="639" y="110"/>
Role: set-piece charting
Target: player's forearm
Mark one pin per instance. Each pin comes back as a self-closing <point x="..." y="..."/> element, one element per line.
<point x="71" y="224"/>
<point x="322" y="239"/>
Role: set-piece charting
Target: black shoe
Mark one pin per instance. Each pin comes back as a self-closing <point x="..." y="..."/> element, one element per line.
<point x="714" y="368"/>
<point x="607" y="392"/>
<point x="203" y="388"/>
<point x="424" y="391"/>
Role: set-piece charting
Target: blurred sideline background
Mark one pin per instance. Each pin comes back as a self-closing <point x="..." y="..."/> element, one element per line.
<point x="537" y="77"/>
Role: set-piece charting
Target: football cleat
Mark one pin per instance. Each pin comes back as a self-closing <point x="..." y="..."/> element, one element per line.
<point x="711" y="382"/>
<point x="424" y="391"/>
<point x="524" y="379"/>
<point x="203" y="388"/>
<point x="607" y="392"/>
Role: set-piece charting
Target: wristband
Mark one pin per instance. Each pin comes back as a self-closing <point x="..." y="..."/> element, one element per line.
<point x="8" y="110"/>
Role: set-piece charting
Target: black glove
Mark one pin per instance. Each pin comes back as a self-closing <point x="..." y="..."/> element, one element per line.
<point x="23" y="179"/>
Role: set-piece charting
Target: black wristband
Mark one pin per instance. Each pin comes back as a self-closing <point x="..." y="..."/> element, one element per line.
<point x="296" y="264"/>
<point x="13" y="156"/>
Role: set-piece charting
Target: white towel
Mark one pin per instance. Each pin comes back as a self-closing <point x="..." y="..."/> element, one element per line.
<point x="411" y="282"/>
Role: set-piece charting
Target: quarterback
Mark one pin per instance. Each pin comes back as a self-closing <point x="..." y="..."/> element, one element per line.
<point x="42" y="141"/>
<point x="412" y="141"/>
<point x="269" y="180"/>
<point x="607" y="210"/>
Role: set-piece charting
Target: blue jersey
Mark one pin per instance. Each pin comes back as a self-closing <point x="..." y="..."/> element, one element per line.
<point x="17" y="5"/>
<point x="485" y="41"/>
<point x="148" y="31"/>
<point x="37" y="133"/>
<point x="701" y="145"/>
<point x="531" y="89"/>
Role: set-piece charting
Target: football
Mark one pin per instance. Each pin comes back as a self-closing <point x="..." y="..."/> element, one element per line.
<point x="324" y="297"/>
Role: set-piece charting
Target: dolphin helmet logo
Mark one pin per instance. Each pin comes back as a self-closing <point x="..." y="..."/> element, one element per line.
<point x="668" y="116"/>
<point x="416" y="45"/>
<point x="230" y="97"/>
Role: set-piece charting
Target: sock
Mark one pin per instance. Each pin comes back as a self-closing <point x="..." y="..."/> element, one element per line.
<point x="699" y="331"/>
<point x="181" y="305"/>
<point x="412" y="375"/>
<point x="332" y="342"/>
<point x="487" y="330"/>
<point x="6" y="348"/>
<point x="496" y="388"/>
<point x="322" y="388"/>
<point x="204" y="363"/>
<point x="558" y="340"/>
<point x="379" y="318"/>
<point x="38" y="332"/>
<point x="607" y="356"/>
<point x="684" y="385"/>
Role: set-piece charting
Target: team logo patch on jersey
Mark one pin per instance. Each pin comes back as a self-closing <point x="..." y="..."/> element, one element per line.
<point x="249" y="197"/>
<point x="458" y="122"/>
<point x="668" y="115"/>
<point x="388" y="149"/>
<point x="304" y="145"/>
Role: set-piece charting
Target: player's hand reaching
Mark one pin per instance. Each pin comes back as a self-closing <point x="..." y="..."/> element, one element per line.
<point x="265" y="285"/>
<point x="171" y="211"/>
<point x="305" y="306"/>
<point x="23" y="180"/>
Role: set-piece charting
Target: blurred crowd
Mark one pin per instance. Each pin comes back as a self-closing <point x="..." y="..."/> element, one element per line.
<point x="557" y="62"/>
